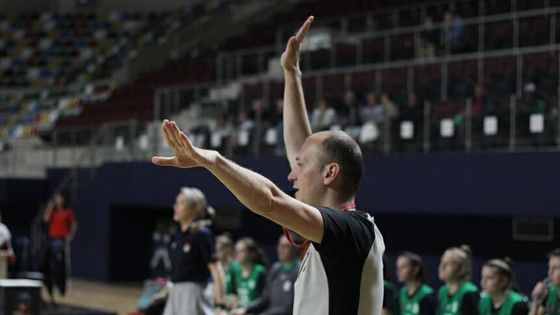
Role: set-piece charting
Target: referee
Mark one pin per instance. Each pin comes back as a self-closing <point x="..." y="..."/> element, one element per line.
<point x="341" y="273"/>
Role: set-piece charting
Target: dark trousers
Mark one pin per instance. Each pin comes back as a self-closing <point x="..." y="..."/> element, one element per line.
<point x="55" y="265"/>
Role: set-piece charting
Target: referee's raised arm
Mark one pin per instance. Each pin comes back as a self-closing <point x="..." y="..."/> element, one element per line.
<point x="295" y="120"/>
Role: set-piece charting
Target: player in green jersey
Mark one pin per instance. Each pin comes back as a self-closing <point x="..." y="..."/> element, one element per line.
<point x="498" y="283"/>
<point x="415" y="297"/>
<point x="546" y="296"/>
<point x="458" y="296"/>
<point x="248" y="280"/>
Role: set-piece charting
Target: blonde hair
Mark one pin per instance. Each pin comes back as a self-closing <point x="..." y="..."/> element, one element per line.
<point x="463" y="255"/>
<point x="504" y="268"/>
<point x="206" y="214"/>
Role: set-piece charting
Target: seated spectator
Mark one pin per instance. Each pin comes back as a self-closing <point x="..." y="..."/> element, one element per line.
<point x="278" y="294"/>
<point x="458" y="296"/>
<point x="499" y="287"/>
<point x="391" y="109"/>
<point x="323" y="116"/>
<point x="427" y="40"/>
<point x="531" y="104"/>
<point x="349" y="115"/>
<point x="260" y="118"/>
<point x="372" y="111"/>
<point x="415" y="297"/>
<point x="482" y="105"/>
<point x="247" y="281"/>
<point x="546" y="296"/>
<point x="413" y="111"/>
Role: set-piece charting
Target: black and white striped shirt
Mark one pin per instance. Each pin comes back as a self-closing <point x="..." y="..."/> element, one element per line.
<point x="344" y="274"/>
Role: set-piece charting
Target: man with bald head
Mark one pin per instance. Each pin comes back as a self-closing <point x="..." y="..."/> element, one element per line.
<point x="341" y="272"/>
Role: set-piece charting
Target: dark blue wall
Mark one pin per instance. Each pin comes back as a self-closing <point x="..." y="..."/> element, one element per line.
<point x="20" y="201"/>
<point x="434" y="186"/>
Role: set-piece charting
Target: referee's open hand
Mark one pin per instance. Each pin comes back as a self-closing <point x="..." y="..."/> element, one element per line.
<point x="290" y="57"/>
<point x="186" y="154"/>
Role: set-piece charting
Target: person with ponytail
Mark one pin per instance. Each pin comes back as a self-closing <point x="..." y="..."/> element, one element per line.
<point x="458" y="296"/>
<point x="248" y="281"/>
<point x="194" y="259"/>
<point x="498" y="284"/>
<point x="415" y="297"/>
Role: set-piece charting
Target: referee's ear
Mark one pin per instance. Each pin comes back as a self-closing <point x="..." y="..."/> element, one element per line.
<point x="331" y="172"/>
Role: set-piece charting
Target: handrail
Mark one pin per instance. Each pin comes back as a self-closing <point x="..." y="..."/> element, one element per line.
<point x="71" y="173"/>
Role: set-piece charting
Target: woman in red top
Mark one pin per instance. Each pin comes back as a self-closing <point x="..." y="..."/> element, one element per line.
<point x="62" y="227"/>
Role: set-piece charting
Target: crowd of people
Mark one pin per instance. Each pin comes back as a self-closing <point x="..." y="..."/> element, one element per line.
<point x="248" y="284"/>
<point x="374" y="119"/>
<point x="342" y="269"/>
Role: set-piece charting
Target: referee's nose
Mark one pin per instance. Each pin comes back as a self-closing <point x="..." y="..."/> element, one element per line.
<point x="292" y="177"/>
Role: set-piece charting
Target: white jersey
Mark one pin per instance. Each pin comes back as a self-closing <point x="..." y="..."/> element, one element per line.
<point x="344" y="274"/>
<point x="5" y="235"/>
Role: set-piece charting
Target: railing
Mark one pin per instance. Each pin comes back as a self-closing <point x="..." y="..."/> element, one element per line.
<point x="237" y="64"/>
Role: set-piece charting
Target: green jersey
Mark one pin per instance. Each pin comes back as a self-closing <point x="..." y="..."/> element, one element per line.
<point x="410" y="305"/>
<point x="485" y="304"/>
<point x="248" y="289"/>
<point x="390" y="297"/>
<point x="451" y="305"/>
<point x="553" y="302"/>
<point x="229" y="271"/>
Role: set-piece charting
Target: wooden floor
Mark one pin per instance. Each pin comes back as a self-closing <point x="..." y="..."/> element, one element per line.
<point x="120" y="298"/>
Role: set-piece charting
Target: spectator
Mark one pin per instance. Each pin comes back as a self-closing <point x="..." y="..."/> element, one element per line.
<point x="247" y="281"/>
<point x="323" y="116"/>
<point x="194" y="258"/>
<point x="278" y="294"/>
<point x="531" y="103"/>
<point x="498" y="285"/>
<point x="427" y="40"/>
<point x="372" y="111"/>
<point x="390" y="108"/>
<point x="415" y="297"/>
<point x="413" y="112"/>
<point x="546" y="296"/>
<point x="62" y="228"/>
<point x="391" y="113"/>
<point x="458" y="296"/>
<point x="453" y="35"/>
<point x="260" y="118"/>
<point x="349" y="114"/>
<point x="482" y="105"/>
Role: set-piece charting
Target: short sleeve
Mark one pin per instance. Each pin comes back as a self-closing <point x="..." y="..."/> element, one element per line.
<point x="205" y="243"/>
<point x="70" y="216"/>
<point x="346" y="234"/>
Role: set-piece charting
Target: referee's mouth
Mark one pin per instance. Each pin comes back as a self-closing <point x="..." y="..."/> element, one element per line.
<point x="292" y="192"/>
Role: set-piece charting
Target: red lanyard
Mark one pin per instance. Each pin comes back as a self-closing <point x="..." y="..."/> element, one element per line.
<point x="350" y="206"/>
